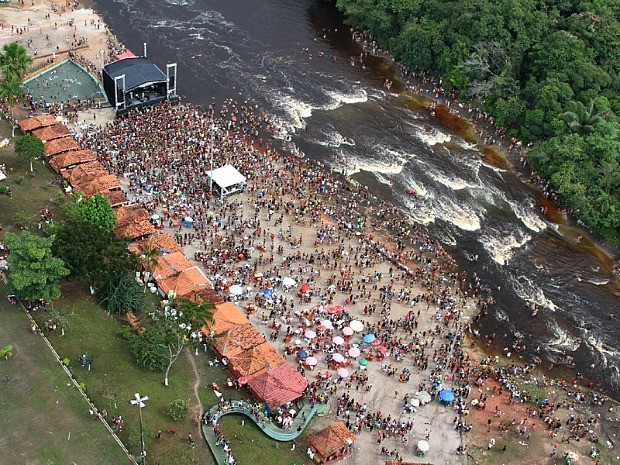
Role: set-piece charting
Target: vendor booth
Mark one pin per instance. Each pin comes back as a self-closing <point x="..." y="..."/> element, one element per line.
<point x="226" y="180"/>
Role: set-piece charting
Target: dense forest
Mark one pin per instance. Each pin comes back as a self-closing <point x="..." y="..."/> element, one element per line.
<point x="547" y="70"/>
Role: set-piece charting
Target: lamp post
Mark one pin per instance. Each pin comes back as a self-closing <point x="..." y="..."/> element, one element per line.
<point x="139" y="401"/>
<point x="211" y="174"/>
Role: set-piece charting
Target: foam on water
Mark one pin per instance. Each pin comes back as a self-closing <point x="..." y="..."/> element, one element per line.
<point x="529" y="292"/>
<point x="431" y="136"/>
<point x="356" y="166"/>
<point x="460" y="215"/>
<point x="563" y="341"/>
<point x="453" y="182"/>
<point x="527" y="215"/>
<point x="502" y="247"/>
<point x="338" y="99"/>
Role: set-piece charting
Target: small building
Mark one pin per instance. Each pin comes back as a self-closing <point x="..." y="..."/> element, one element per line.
<point x="237" y="340"/>
<point x="54" y="131"/>
<point x="226" y="180"/>
<point x="30" y="124"/>
<point x="331" y="444"/>
<point x="255" y="361"/>
<point x="56" y="146"/>
<point x="225" y="317"/>
<point x="71" y="159"/>
<point x="279" y="386"/>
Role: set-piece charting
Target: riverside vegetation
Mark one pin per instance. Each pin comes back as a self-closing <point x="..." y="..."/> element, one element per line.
<point x="547" y="71"/>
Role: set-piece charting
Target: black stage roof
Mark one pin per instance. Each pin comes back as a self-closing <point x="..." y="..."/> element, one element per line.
<point x="138" y="71"/>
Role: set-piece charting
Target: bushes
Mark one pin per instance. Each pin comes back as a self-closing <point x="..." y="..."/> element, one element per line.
<point x="178" y="410"/>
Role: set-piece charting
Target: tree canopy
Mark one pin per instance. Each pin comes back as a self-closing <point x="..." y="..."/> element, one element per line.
<point x="35" y="272"/>
<point x="547" y="70"/>
<point x="14" y="60"/>
<point x="29" y="148"/>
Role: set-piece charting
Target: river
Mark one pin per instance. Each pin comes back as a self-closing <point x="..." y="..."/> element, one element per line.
<point x="294" y="59"/>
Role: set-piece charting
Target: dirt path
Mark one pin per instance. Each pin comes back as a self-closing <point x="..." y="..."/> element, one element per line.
<point x="198" y="410"/>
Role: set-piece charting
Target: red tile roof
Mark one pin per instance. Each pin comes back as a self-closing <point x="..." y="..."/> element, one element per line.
<point x="170" y="264"/>
<point x="70" y="159"/>
<point x="238" y="339"/>
<point x="185" y="283"/>
<point x="332" y="441"/>
<point x="255" y="361"/>
<point x="279" y="385"/>
<point x="226" y="316"/>
<point x="57" y="146"/>
<point x="36" y="122"/>
<point x="52" y="132"/>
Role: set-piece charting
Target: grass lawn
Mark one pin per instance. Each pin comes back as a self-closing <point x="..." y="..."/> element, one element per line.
<point x="43" y="420"/>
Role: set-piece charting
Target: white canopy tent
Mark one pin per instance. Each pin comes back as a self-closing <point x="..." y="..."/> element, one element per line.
<point x="2" y="176"/>
<point x="227" y="180"/>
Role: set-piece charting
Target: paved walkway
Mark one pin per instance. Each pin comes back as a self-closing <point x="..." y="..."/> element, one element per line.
<point x="262" y="421"/>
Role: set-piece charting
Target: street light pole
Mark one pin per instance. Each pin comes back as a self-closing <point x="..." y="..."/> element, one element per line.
<point x="139" y="401"/>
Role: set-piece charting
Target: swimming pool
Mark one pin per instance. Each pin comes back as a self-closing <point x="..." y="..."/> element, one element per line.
<point x="65" y="82"/>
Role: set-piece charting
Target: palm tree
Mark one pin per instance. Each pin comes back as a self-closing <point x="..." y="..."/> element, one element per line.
<point x="11" y="90"/>
<point x="14" y="60"/>
<point x="150" y="257"/>
<point x="581" y="118"/>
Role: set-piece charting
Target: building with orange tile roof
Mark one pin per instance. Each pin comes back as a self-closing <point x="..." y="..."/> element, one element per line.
<point x="332" y="443"/>
<point x="116" y="197"/>
<point x="36" y="122"/>
<point x="225" y="317"/>
<point x="56" y="146"/>
<point x="84" y="172"/>
<point x="98" y="185"/>
<point x="162" y="241"/>
<point x="279" y="385"/>
<point x="237" y="340"/>
<point x="52" y="132"/>
<point x="71" y="159"/>
<point x="255" y="361"/>
<point x="170" y="264"/>
<point x="184" y="284"/>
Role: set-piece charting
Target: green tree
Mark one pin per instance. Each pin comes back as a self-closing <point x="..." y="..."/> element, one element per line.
<point x="150" y="257"/>
<point x="178" y="410"/>
<point x="35" y="271"/>
<point x="122" y="294"/>
<point x="14" y="60"/>
<point x="6" y="352"/>
<point x="11" y="90"/>
<point x="29" y="148"/>
<point x="98" y="212"/>
<point x="180" y="323"/>
<point x="582" y="118"/>
<point x="150" y="350"/>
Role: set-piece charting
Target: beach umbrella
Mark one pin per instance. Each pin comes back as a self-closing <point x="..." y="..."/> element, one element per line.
<point x="310" y="334"/>
<point x="288" y="282"/>
<point x="347" y="331"/>
<point x="188" y="219"/>
<point x="327" y="324"/>
<point x="357" y="326"/>
<point x="338" y="358"/>
<point x="242" y="380"/>
<point x="368" y="338"/>
<point x="311" y="361"/>
<point x="354" y="352"/>
<point x="447" y="395"/>
<point x="363" y="362"/>
<point x="338" y="340"/>
<point x="423" y="446"/>
<point x="304" y="288"/>
<point x="297" y="342"/>
<point x="424" y="397"/>
<point x="334" y="309"/>
<point x="343" y="372"/>
<point x="302" y="354"/>
<point x="155" y="217"/>
<point x="375" y="343"/>
<point x="235" y="289"/>
<point x="268" y="292"/>
<point x="382" y="350"/>
<point x="415" y="402"/>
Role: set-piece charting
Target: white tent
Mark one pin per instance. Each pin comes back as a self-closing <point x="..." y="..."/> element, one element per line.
<point x="2" y="176"/>
<point x="227" y="180"/>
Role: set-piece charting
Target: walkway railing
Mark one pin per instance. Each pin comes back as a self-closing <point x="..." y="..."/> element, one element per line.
<point x="263" y="422"/>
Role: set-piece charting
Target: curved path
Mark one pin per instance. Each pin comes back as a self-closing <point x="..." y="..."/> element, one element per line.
<point x="263" y="422"/>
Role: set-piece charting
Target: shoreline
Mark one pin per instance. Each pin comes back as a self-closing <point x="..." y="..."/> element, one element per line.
<point x="99" y="121"/>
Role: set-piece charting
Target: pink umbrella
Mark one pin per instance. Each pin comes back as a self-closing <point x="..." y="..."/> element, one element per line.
<point x="328" y="324"/>
<point x="310" y="334"/>
<point x="338" y="358"/>
<point x="375" y="343"/>
<point x="347" y="331"/>
<point x="357" y="326"/>
<point x="335" y="309"/>
<point x="343" y="372"/>
<point x="311" y="361"/>
<point x="354" y="352"/>
<point x="337" y="340"/>
<point x="243" y="380"/>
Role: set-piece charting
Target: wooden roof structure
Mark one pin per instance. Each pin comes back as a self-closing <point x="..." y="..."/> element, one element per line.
<point x="132" y="221"/>
<point x="71" y="159"/>
<point x="255" y="361"/>
<point x="116" y="197"/>
<point x="36" y="122"/>
<point x="84" y="172"/>
<point x="279" y="386"/>
<point x="56" y="146"/>
<point x="54" y="131"/>
<point x="237" y="340"/>
<point x="332" y="442"/>
<point x="164" y="242"/>
<point x="226" y="316"/>
<point x="98" y="185"/>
